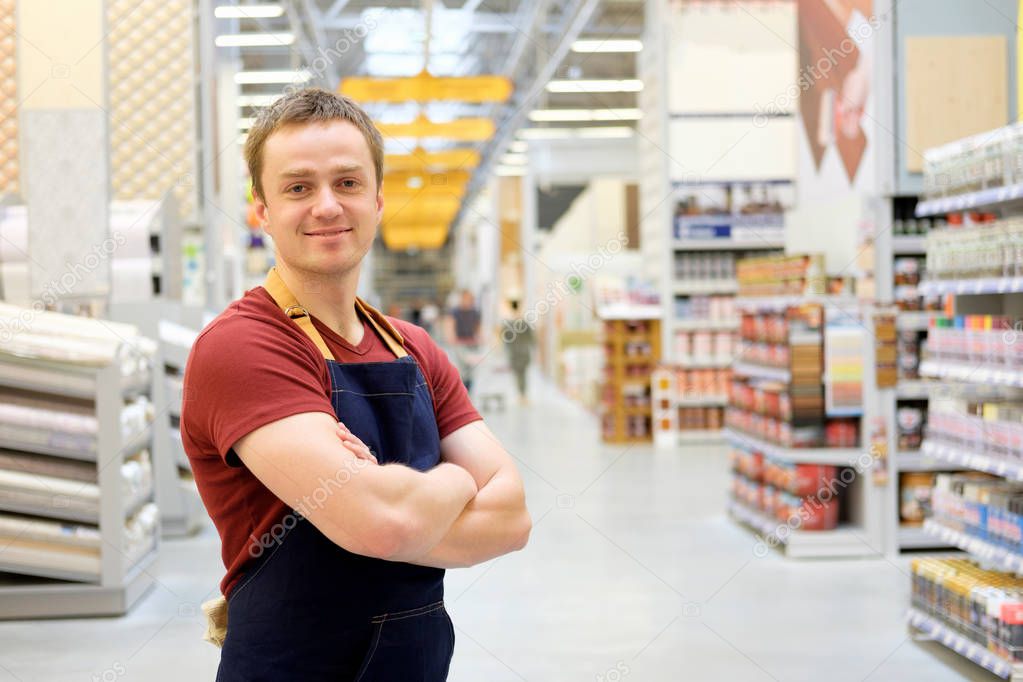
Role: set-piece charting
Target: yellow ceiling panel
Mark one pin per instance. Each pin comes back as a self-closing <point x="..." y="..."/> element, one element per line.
<point x="422" y="207"/>
<point x="422" y="161"/>
<point x="402" y="236"/>
<point x="463" y="129"/>
<point x="425" y="88"/>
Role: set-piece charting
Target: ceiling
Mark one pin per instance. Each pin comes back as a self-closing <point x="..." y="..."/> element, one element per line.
<point x="526" y="40"/>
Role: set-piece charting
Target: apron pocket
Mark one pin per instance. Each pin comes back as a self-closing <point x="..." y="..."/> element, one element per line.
<point x="412" y="646"/>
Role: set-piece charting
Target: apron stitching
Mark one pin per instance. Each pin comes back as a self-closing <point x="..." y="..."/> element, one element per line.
<point x="372" y="652"/>
<point x="272" y="554"/>
<point x="411" y="613"/>
<point x="368" y="395"/>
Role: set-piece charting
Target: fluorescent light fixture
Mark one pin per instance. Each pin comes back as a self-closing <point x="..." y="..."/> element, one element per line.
<point x="518" y="147"/>
<point x="256" y="100"/>
<point x="510" y="170"/>
<point x="246" y="123"/>
<point x="248" y="11"/>
<point x="594" y="85"/>
<point x="597" y="45"/>
<point x="545" y="133"/>
<point x="605" y="132"/>
<point x="268" y="77"/>
<point x="255" y="39"/>
<point x="514" y="159"/>
<point x="585" y="115"/>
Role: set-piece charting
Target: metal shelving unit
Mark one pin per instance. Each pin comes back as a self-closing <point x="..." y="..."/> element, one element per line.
<point x="835" y="456"/>
<point x="797" y="544"/>
<point x="934" y="629"/>
<point x="121" y="578"/>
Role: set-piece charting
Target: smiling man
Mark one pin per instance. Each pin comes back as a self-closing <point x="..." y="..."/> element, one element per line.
<point x="336" y="449"/>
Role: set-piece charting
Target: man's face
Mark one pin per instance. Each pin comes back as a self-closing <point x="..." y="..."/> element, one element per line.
<point x="321" y="202"/>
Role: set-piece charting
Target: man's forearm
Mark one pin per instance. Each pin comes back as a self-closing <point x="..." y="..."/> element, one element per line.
<point x="494" y="523"/>
<point x="427" y="509"/>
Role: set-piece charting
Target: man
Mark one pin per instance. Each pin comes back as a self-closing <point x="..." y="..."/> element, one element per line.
<point x="335" y="448"/>
<point x="464" y="336"/>
<point x="518" y="339"/>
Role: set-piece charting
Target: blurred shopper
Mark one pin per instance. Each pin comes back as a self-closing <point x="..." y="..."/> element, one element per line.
<point x="518" y="340"/>
<point x="464" y="336"/>
<point x="428" y="316"/>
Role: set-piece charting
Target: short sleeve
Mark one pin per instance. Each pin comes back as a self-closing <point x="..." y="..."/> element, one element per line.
<point x="243" y="374"/>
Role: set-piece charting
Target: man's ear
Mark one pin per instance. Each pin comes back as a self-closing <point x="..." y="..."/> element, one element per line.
<point x="380" y="203"/>
<point x="262" y="211"/>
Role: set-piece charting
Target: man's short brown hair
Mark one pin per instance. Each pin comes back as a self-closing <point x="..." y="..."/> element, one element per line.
<point x="309" y="105"/>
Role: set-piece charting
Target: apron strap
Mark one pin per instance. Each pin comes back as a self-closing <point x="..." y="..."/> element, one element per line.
<point x="282" y="295"/>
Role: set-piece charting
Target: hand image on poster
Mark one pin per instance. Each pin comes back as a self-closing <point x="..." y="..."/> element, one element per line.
<point x="835" y="57"/>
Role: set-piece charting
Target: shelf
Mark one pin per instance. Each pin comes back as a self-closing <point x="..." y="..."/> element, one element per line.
<point x="992" y="465"/>
<point x="966" y="287"/>
<point x="688" y="436"/>
<point x="132" y="445"/>
<point x="974" y="651"/>
<point x="915" y="389"/>
<point x="49" y="600"/>
<point x="61" y="378"/>
<point x="836" y="456"/>
<point x="915" y="537"/>
<point x="697" y="287"/>
<point x="914" y="320"/>
<point x="704" y="363"/>
<point x="909" y="245"/>
<point x="707" y="401"/>
<point x="994" y="197"/>
<point x="628" y="311"/>
<point x="841" y="542"/>
<point x="705" y="325"/>
<point x="1000" y="557"/>
<point x="727" y="244"/>
<point x="978" y="374"/>
<point x="923" y="461"/>
<point x="778" y="303"/>
<point x="755" y="371"/>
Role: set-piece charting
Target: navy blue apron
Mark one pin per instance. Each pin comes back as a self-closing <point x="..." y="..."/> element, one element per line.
<point x="308" y="610"/>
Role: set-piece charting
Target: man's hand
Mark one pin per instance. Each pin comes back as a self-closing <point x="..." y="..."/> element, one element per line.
<point x="355" y="444"/>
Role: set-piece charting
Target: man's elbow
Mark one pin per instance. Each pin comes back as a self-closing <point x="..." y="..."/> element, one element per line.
<point x="391" y="538"/>
<point x="520" y="534"/>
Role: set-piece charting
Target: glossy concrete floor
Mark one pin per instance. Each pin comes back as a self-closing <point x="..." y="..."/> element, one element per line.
<point x="633" y="572"/>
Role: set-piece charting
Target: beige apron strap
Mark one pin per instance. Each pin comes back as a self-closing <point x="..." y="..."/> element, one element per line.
<point x="386" y="330"/>
<point x="282" y="295"/>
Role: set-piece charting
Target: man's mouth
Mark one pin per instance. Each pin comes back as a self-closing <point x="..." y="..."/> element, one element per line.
<point x="328" y="233"/>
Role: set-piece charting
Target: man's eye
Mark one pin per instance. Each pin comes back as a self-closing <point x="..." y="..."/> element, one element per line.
<point x="349" y="184"/>
<point x="296" y="189"/>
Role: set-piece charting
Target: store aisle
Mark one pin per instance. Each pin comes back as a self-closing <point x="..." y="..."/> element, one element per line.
<point x="632" y="572"/>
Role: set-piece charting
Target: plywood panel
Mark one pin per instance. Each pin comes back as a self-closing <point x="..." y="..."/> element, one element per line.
<point x="955" y="87"/>
<point x="8" y="101"/>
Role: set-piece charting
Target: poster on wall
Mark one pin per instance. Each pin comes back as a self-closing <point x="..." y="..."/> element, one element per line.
<point x="835" y="73"/>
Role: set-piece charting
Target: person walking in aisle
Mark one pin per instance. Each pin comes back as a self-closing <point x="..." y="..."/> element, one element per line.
<point x="335" y="449"/>
<point x="518" y="339"/>
<point x="464" y="336"/>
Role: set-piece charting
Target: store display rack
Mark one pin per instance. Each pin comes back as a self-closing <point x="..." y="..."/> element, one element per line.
<point x="632" y="349"/>
<point x="798" y="544"/>
<point x="937" y="631"/>
<point x="122" y="577"/>
<point x="972" y="359"/>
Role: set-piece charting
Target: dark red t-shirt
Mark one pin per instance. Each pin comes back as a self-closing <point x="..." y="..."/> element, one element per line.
<point x="252" y="366"/>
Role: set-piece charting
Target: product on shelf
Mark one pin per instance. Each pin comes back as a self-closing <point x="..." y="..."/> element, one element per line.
<point x="911" y="427"/>
<point x="984" y="606"/>
<point x="782" y="275"/>
<point x="979" y="340"/>
<point x="631" y="353"/>
<point x="705" y="266"/>
<point x="915" y="489"/>
<point x="990" y="159"/>
<point x="807" y="497"/>
<point x="993" y="249"/>
<point x="986" y="507"/>
<point x="711" y="308"/>
<point x="990" y="428"/>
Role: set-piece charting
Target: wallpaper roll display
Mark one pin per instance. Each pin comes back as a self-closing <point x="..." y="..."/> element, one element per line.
<point x="151" y="81"/>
